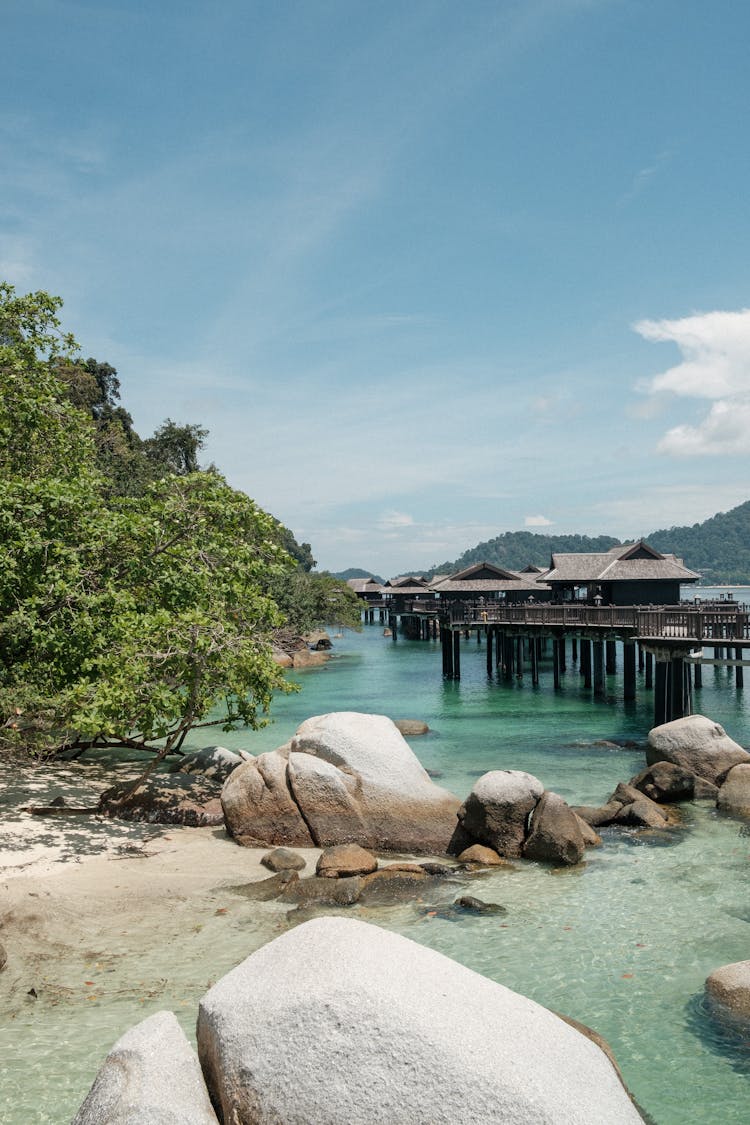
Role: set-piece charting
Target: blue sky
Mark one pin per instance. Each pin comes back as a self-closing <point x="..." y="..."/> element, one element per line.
<point x="427" y="271"/>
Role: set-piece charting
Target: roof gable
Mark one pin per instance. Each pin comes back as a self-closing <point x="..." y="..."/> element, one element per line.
<point x="482" y="571"/>
<point x="640" y="550"/>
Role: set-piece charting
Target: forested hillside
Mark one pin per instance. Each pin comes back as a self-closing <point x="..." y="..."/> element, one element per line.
<point x="718" y="548"/>
<point x="516" y="549"/>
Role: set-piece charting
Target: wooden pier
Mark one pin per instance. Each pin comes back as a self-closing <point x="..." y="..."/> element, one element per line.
<point x="664" y="642"/>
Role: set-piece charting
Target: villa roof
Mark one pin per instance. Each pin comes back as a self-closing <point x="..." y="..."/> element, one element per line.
<point x="629" y="562"/>
<point x="364" y="585"/>
<point x="484" y="578"/>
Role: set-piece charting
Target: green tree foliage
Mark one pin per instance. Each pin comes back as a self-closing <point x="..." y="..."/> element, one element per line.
<point x="123" y="619"/>
<point x="174" y="448"/>
<point x="314" y="601"/>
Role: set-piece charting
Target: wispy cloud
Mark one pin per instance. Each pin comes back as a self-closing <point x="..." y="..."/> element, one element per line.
<point x="537" y="521"/>
<point x="392" y="520"/>
<point x="715" y="347"/>
<point x="645" y="175"/>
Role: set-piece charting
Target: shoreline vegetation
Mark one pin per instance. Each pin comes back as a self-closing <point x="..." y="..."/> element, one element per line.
<point x="140" y="595"/>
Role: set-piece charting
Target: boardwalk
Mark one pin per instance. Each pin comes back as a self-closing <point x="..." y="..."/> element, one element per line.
<point x="666" y="641"/>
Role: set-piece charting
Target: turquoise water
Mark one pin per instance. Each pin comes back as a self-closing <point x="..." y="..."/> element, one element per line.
<point x="623" y="943"/>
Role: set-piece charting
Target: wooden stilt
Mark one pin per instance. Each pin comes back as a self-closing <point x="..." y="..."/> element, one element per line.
<point x="611" y="657"/>
<point x="628" y="654"/>
<point x="677" y="678"/>
<point x="534" y="661"/>
<point x="457" y="655"/>
<point x="739" y="679"/>
<point x="556" y="664"/>
<point x="660" y="692"/>
<point x="586" y="662"/>
<point x="649" y="670"/>
<point x="574" y="650"/>
<point x="490" y="630"/>
<point x="598" y="661"/>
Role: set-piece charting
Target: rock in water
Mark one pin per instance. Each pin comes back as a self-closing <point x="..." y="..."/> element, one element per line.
<point x="344" y="860"/>
<point x="698" y="744"/>
<point x="496" y="810"/>
<point x="152" y="1077"/>
<point x="282" y="859"/>
<point x="728" y="995"/>
<point x="341" y="1022"/>
<point x="555" y="835"/>
<point x="734" y="795"/>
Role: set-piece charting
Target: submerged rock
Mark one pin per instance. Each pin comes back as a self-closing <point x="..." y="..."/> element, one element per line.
<point x="341" y="1022"/>
<point x="151" y="1076"/>
<point x="483" y="857"/>
<point x="411" y="727"/>
<point x="468" y="904"/>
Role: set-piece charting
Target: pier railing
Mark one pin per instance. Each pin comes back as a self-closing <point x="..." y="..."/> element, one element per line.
<point x="707" y="624"/>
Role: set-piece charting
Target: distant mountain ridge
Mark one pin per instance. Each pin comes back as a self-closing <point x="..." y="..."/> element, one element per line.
<point x="718" y="548"/>
<point x="356" y="572"/>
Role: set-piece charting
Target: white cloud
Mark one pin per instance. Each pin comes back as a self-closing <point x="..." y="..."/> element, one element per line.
<point x="724" y="430"/>
<point x="537" y="521"/>
<point x="392" y="520"/>
<point x="716" y="354"/>
<point x="716" y="365"/>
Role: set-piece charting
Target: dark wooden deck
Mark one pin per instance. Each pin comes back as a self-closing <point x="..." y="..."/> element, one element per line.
<point x="729" y="622"/>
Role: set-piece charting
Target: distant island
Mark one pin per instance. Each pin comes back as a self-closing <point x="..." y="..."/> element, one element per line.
<point x="718" y="548"/>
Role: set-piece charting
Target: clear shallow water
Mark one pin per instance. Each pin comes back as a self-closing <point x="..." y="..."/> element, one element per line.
<point x="623" y="944"/>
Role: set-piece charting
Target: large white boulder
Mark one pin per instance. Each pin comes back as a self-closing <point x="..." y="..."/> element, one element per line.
<point x="698" y="744"/>
<point x="150" y="1077"/>
<point x="258" y="806"/>
<point x="344" y="778"/>
<point x="342" y="1023"/>
<point x="496" y="812"/>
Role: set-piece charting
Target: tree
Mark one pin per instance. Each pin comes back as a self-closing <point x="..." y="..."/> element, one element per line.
<point x="174" y="448"/>
<point x="123" y="619"/>
<point x="312" y="601"/>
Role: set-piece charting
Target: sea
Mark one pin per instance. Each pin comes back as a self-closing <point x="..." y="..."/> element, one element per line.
<point x="622" y="943"/>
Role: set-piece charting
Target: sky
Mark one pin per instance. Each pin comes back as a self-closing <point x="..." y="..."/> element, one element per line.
<point x="427" y="271"/>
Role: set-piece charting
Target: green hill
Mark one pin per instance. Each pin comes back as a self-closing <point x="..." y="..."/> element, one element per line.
<point x="356" y="572"/>
<point x="718" y="548"/>
<point x="516" y="549"/>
